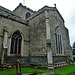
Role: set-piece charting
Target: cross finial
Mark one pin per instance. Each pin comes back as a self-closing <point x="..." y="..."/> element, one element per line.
<point x="55" y="5"/>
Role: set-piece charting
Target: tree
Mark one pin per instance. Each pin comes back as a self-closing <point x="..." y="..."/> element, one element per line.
<point x="73" y="48"/>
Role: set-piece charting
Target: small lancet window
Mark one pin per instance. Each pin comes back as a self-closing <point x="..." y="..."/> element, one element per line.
<point x="16" y="43"/>
<point x="28" y="15"/>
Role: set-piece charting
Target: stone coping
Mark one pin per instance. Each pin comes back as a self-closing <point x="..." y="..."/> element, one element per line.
<point x="45" y="8"/>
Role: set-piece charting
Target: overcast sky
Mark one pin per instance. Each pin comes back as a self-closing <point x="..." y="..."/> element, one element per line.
<point x="65" y="7"/>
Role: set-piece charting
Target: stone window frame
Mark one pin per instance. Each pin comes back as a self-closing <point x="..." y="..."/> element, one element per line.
<point x="16" y="41"/>
<point x="22" y="44"/>
<point x="58" y="33"/>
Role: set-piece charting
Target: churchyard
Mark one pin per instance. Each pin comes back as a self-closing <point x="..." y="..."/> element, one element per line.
<point x="66" y="70"/>
<point x="39" y="39"/>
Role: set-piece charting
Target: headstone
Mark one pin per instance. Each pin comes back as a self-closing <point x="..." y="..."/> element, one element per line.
<point x="50" y="67"/>
<point x="51" y="73"/>
<point x="18" y="67"/>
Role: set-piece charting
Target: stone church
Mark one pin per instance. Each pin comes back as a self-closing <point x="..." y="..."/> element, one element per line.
<point x="33" y="36"/>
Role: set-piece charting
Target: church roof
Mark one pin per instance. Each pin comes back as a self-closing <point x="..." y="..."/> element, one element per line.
<point x="48" y="9"/>
<point x="10" y="15"/>
<point x="13" y="16"/>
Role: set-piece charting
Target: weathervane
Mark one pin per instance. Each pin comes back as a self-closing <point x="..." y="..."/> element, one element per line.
<point x="24" y="2"/>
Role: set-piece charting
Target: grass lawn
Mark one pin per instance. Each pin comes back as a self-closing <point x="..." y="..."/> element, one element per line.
<point x="63" y="71"/>
<point x="66" y="70"/>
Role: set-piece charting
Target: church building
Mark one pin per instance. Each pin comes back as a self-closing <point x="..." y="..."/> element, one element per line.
<point x="33" y="36"/>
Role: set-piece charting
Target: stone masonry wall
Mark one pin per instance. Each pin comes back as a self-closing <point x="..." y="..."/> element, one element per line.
<point x="57" y="59"/>
<point x="38" y="36"/>
<point x="34" y="47"/>
<point x="22" y="11"/>
<point x="54" y="21"/>
<point x="12" y="60"/>
<point x="38" y="59"/>
<point x="13" y="26"/>
<point x="1" y="41"/>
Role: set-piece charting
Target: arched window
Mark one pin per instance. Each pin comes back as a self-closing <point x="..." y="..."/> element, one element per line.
<point x="58" y="41"/>
<point x="16" y="43"/>
<point x="28" y="15"/>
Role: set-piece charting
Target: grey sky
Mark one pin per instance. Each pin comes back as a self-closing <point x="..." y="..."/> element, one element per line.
<point x="65" y="7"/>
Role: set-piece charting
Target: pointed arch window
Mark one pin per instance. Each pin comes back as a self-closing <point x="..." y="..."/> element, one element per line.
<point x="16" y="43"/>
<point x="58" y="41"/>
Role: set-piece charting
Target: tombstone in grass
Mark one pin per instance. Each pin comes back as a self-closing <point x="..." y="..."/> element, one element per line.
<point x="18" y="67"/>
<point x="51" y="73"/>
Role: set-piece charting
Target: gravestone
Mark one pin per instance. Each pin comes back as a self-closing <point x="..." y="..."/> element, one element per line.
<point x="51" y="73"/>
<point x="18" y="67"/>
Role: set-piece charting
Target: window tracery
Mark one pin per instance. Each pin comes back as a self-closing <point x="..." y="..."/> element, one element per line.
<point x="58" y="39"/>
<point x="16" y="43"/>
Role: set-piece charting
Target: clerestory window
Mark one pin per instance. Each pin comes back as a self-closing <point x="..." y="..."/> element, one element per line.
<point x="16" y="43"/>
